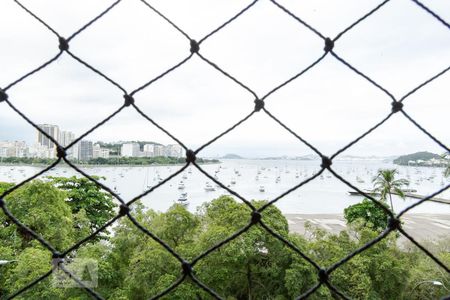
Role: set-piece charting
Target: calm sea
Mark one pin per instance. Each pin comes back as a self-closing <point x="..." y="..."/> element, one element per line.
<point x="325" y="194"/>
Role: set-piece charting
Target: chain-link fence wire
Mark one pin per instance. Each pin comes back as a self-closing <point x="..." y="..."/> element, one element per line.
<point x="187" y="268"/>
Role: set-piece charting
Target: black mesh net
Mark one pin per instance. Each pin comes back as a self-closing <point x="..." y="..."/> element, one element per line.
<point x="187" y="268"/>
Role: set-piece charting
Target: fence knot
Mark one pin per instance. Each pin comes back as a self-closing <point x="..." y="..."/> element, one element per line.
<point x="63" y="44"/>
<point x="323" y="275"/>
<point x="326" y="162"/>
<point x="195" y="47"/>
<point x="3" y="95"/>
<point x="123" y="210"/>
<point x="190" y="156"/>
<point x="259" y="104"/>
<point x="57" y="259"/>
<point x="187" y="268"/>
<point x="329" y="45"/>
<point x="396" y="106"/>
<point x="60" y="152"/>
<point x="394" y="223"/>
<point x="256" y="217"/>
<point x="129" y="100"/>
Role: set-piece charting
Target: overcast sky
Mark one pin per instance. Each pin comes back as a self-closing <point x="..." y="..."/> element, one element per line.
<point x="400" y="46"/>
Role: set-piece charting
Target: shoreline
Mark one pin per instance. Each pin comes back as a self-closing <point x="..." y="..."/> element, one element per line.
<point x="101" y="165"/>
<point x="426" y="227"/>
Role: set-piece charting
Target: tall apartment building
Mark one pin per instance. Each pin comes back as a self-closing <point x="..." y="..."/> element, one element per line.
<point x="13" y="149"/>
<point x="130" y="150"/>
<point x="174" y="150"/>
<point x="85" y="150"/>
<point x="149" y="150"/>
<point x="66" y="137"/>
<point x="51" y="130"/>
<point x="159" y="150"/>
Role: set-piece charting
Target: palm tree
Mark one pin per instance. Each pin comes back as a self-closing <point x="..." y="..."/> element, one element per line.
<point x="386" y="184"/>
<point x="446" y="156"/>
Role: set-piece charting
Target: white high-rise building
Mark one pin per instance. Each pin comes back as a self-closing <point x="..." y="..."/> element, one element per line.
<point x="174" y="150"/>
<point x="37" y="150"/>
<point x="6" y="149"/>
<point x="51" y="130"/>
<point x="159" y="150"/>
<point x="66" y="137"/>
<point x="149" y="150"/>
<point x="13" y="149"/>
<point x="100" y="152"/>
<point x="130" y="150"/>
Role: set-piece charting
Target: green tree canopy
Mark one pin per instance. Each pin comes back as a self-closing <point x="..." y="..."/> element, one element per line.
<point x="370" y="213"/>
<point x="42" y="207"/>
<point x="85" y="195"/>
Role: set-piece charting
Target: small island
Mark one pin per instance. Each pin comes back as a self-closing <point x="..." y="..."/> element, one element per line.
<point x="231" y="156"/>
<point x="423" y="158"/>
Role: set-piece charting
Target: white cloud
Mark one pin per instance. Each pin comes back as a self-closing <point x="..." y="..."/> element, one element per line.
<point x="400" y="46"/>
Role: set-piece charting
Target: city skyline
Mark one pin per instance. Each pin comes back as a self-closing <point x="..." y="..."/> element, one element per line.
<point x="83" y="150"/>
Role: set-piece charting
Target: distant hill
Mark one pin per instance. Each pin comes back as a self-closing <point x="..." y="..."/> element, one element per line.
<point x="419" y="158"/>
<point x="307" y="157"/>
<point x="231" y="156"/>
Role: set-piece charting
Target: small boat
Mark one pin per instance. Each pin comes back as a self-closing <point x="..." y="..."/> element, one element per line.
<point x="183" y="198"/>
<point x="209" y="187"/>
<point x="181" y="186"/>
<point x="116" y="191"/>
<point x="233" y="181"/>
<point x="262" y="189"/>
<point x="409" y="190"/>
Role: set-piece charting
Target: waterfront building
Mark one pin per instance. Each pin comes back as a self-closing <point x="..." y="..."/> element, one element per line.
<point x="3" y="151"/>
<point x="159" y="150"/>
<point x="40" y="151"/>
<point x="99" y="152"/>
<point x="130" y="150"/>
<point x="149" y="150"/>
<point x="13" y="149"/>
<point x="174" y="150"/>
<point x="66" y="137"/>
<point x="83" y="150"/>
<point x="51" y="130"/>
